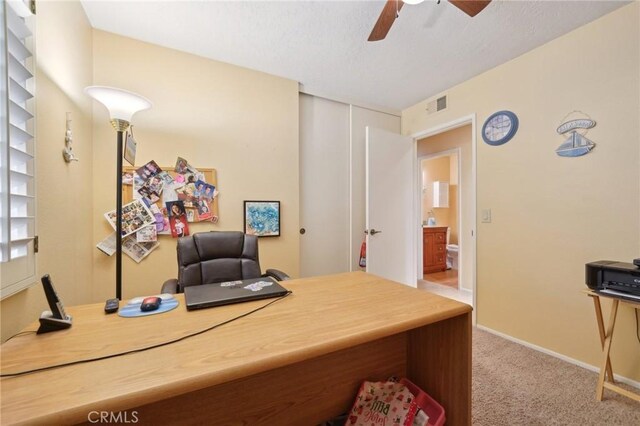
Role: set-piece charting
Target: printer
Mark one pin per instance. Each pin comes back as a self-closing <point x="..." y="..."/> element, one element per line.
<point x="614" y="278"/>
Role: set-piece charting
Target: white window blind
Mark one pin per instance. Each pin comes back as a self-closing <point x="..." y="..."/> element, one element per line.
<point x="17" y="142"/>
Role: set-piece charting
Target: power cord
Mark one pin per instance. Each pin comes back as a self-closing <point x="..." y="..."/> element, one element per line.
<point x="83" y="361"/>
<point x="22" y="333"/>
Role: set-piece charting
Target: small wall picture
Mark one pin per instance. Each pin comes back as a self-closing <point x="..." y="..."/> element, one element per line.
<point x="204" y="190"/>
<point x="262" y="218"/>
<point x="130" y="150"/>
<point x="204" y="210"/>
<point x="148" y="170"/>
<point x="127" y="178"/>
<point x="191" y="215"/>
<point x="181" y="165"/>
<point x="177" y="219"/>
<point x="175" y="208"/>
<point x="135" y="215"/>
<point x="179" y="227"/>
<point x="147" y="234"/>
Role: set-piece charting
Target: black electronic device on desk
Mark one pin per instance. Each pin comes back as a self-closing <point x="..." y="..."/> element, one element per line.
<point x="56" y="318"/>
<point x="614" y="278"/>
<point x="228" y="292"/>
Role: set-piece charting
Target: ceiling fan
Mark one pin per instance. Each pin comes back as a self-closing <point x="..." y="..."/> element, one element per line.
<point x="392" y="8"/>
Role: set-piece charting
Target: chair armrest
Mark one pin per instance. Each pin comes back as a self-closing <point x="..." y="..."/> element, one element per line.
<point x="170" y="286"/>
<point x="278" y="275"/>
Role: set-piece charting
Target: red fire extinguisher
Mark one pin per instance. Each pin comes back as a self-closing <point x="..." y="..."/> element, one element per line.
<point x="363" y="254"/>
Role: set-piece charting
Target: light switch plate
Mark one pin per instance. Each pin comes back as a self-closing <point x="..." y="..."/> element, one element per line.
<point x="486" y="216"/>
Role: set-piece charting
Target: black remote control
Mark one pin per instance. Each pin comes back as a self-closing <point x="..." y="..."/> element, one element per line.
<point x="111" y="306"/>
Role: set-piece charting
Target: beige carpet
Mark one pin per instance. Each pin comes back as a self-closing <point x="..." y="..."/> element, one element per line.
<point x="515" y="385"/>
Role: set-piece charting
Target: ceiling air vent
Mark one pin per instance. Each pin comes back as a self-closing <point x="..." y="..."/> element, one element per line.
<point x="437" y="105"/>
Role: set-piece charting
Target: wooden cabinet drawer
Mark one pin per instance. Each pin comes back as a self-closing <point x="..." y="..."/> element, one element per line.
<point x="434" y="249"/>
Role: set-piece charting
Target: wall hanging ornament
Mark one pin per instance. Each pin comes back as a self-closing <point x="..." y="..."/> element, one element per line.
<point x="499" y="128"/>
<point x="67" y="152"/>
<point x="575" y="144"/>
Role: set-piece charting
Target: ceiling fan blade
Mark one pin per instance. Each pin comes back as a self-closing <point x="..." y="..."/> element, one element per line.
<point x="470" y="7"/>
<point x="387" y="16"/>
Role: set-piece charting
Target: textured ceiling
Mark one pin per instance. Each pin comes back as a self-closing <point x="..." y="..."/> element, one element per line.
<point x="322" y="44"/>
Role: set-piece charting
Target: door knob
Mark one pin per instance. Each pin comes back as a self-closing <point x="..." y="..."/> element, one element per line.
<point x="372" y="232"/>
<point x="302" y="231"/>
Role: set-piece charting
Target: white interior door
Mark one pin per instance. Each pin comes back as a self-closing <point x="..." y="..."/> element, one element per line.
<point x="390" y="209"/>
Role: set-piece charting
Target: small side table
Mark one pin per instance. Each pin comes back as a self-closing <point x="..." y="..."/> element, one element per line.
<point x="605" y="340"/>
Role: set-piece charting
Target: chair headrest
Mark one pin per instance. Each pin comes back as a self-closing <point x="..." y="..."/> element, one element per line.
<point x="219" y="244"/>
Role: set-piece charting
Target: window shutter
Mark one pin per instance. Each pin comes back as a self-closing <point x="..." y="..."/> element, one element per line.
<point x="17" y="164"/>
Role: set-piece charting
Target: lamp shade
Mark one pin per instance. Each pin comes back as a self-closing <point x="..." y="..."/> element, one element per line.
<point x="121" y="104"/>
<point x="412" y="1"/>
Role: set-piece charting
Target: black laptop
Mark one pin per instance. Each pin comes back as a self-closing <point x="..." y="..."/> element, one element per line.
<point x="228" y="292"/>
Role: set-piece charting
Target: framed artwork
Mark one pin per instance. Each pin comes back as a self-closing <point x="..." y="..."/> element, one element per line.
<point x="262" y="218"/>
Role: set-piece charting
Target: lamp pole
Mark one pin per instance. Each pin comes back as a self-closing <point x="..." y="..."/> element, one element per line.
<point x="120" y="126"/>
<point x="119" y="218"/>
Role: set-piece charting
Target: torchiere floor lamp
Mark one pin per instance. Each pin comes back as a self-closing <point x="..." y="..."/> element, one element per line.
<point x="122" y="105"/>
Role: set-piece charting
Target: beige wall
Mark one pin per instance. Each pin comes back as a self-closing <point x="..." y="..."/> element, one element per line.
<point x="459" y="138"/>
<point x="453" y="214"/>
<point x="434" y="170"/>
<point x="453" y="198"/>
<point x="64" y="57"/>
<point x="551" y="215"/>
<point x="241" y="122"/>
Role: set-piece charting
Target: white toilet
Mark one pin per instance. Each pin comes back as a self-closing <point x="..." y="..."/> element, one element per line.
<point x="452" y="253"/>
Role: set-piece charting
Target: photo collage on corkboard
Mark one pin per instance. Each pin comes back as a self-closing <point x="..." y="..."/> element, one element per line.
<point x="161" y="201"/>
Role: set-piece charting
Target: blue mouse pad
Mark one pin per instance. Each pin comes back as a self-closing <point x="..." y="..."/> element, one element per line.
<point x="133" y="310"/>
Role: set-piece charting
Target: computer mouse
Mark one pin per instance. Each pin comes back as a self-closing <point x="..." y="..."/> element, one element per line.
<point x="139" y="299"/>
<point x="150" y="303"/>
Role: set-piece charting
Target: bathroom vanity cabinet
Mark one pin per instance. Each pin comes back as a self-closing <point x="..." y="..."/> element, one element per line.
<point x="434" y="249"/>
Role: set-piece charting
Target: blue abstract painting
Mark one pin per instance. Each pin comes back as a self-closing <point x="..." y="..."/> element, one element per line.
<point x="262" y="218"/>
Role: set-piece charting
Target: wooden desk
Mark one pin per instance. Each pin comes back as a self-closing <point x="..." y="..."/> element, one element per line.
<point x="299" y="361"/>
<point x="605" y="340"/>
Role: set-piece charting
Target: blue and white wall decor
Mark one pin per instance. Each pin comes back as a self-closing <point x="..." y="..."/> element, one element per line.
<point x="576" y="143"/>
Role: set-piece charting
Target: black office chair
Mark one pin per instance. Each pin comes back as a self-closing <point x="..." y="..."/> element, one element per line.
<point x="217" y="256"/>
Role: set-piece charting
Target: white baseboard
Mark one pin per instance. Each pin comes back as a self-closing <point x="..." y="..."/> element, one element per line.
<point x="590" y="367"/>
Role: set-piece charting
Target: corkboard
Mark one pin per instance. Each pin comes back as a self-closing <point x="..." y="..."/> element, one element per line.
<point x="210" y="176"/>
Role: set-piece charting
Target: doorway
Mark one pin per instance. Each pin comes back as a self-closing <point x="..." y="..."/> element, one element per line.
<point x="453" y="146"/>
<point x="440" y="217"/>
